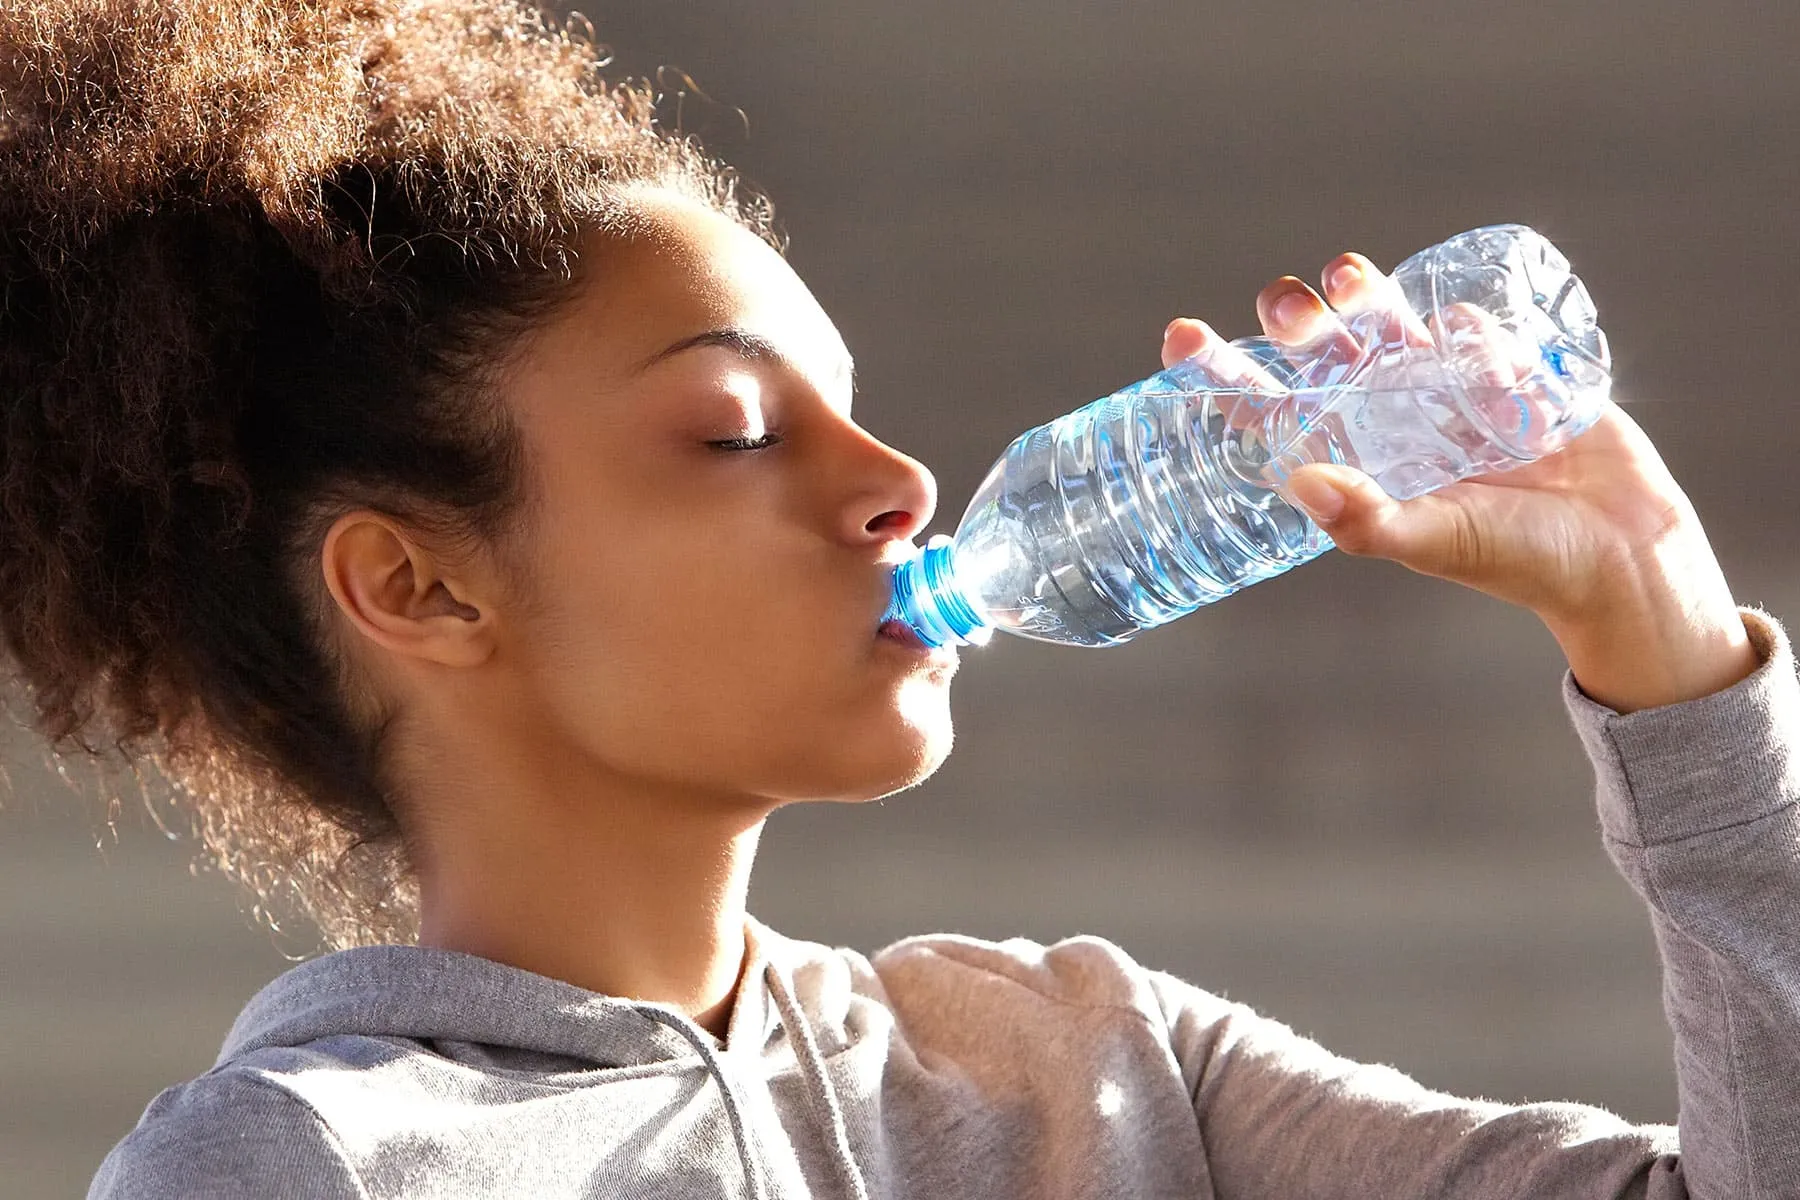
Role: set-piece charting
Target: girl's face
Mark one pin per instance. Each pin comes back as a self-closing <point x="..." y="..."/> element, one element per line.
<point x="709" y="556"/>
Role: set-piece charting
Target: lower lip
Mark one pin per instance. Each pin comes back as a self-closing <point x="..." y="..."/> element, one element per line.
<point x="901" y="637"/>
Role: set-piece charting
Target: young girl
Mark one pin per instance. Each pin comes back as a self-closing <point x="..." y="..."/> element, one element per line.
<point x="435" y="470"/>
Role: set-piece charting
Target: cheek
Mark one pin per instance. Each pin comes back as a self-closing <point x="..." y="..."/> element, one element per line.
<point x="656" y="644"/>
<point x="729" y="649"/>
<point x="683" y="701"/>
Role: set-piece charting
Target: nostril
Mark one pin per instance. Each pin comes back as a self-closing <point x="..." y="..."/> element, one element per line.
<point x="892" y="519"/>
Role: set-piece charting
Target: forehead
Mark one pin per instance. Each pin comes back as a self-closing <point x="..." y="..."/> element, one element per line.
<point x="684" y="269"/>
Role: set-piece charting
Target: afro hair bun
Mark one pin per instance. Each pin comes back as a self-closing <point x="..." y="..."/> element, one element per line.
<point x="254" y="255"/>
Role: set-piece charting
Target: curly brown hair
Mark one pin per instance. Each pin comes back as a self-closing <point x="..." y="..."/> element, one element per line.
<point x="260" y="262"/>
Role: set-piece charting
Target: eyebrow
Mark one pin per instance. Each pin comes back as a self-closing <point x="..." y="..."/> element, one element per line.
<point x="741" y="342"/>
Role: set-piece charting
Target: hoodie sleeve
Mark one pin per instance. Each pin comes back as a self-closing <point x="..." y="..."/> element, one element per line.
<point x="228" y="1134"/>
<point x="1697" y="809"/>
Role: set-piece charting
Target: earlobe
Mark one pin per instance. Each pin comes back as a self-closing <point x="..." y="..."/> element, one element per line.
<point x="390" y="589"/>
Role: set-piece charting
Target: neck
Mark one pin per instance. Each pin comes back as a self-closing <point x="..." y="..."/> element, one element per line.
<point x="615" y="886"/>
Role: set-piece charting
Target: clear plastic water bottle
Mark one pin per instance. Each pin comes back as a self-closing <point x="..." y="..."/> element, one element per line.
<point x="1475" y="356"/>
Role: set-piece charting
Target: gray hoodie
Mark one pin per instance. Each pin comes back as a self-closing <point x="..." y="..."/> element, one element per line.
<point x="947" y="1067"/>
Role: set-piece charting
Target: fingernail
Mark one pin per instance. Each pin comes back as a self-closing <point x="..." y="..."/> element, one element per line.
<point x="1344" y="277"/>
<point x="1170" y="328"/>
<point x="1293" y="308"/>
<point x="1321" y="499"/>
<point x="1459" y="319"/>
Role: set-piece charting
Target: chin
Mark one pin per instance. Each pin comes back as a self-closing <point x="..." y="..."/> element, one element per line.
<point x="917" y="769"/>
<point x="926" y="734"/>
<point x="907" y="756"/>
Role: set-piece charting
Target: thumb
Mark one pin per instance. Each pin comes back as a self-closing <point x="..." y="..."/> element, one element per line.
<point x="1427" y="533"/>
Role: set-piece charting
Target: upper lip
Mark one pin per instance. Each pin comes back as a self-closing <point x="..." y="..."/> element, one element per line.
<point x="888" y="567"/>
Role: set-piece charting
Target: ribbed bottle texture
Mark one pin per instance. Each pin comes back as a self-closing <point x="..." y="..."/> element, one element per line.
<point x="1477" y="355"/>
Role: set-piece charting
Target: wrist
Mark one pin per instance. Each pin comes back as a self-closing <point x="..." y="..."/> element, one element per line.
<point x="1667" y="648"/>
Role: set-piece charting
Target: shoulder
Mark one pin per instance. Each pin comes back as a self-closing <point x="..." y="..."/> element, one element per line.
<point x="940" y="981"/>
<point x="228" y="1133"/>
<point x="1080" y="972"/>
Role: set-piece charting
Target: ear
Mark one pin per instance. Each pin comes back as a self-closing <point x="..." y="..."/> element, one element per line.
<point x="394" y="592"/>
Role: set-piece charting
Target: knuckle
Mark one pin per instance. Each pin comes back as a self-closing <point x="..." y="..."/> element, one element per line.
<point x="1466" y="548"/>
<point x="1353" y="535"/>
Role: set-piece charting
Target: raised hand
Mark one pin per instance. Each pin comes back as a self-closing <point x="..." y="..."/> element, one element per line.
<point x="1597" y="539"/>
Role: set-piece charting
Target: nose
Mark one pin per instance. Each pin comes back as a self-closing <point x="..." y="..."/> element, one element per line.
<point x="893" y="495"/>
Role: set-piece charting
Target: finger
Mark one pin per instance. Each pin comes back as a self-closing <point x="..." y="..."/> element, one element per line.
<point x="1312" y="338"/>
<point x="1325" y="347"/>
<point x="1184" y="338"/>
<point x="1224" y="364"/>
<point x="1483" y="350"/>
<point x="1359" y="291"/>
<point x="1319" y="352"/>
<point x="1241" y="387"/>
<point x="1501" y="372"/>
<point x="1431" y="534"/>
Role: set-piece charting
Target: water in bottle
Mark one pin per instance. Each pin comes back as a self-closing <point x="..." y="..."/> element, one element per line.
<point x="1474" y="356"/>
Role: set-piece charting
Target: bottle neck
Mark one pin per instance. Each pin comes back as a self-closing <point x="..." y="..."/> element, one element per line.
<point x="928" y="599"/>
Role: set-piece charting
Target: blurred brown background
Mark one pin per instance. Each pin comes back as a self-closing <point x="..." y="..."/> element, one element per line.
<point x="1348" y="796"/>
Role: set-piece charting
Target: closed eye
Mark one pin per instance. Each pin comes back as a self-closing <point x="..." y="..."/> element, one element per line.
<point x="745" y="443"/>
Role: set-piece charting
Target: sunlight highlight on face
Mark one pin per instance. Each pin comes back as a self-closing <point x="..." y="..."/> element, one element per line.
<point x="924" y="705"/>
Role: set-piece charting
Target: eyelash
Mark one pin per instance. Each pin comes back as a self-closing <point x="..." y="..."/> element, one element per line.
<point x="748" y="444"/>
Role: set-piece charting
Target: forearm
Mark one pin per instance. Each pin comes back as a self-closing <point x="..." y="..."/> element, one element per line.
<point x="1697" y="801"/>
<point x="1697" y="804"/>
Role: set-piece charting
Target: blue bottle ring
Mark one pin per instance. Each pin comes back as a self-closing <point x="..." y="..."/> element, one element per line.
<point x="926" y="597"/>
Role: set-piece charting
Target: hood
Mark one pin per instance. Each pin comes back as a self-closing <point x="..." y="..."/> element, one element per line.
<point x="479" y="1011"/>
<point x="445" y="996"/>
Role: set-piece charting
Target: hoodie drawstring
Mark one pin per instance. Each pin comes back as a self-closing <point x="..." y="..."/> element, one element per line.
<point x="819" y="1091"/>
<point x="820" y="1094"/>
<point x="734" y="1106"/>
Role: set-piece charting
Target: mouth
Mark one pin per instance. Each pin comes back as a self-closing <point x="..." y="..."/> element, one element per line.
<point x="902" y="639"/>
<point x="899" y="631"/>
<point x="901" y="636"/>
